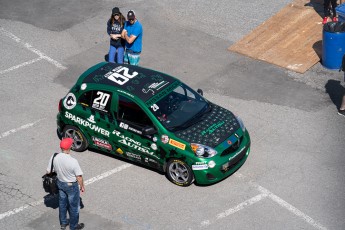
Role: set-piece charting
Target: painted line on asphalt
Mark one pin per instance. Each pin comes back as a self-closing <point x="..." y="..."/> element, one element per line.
<point x="264" y="193"/>
<point x="285" y="204"/>
<point x="292" y="209"/>
<point x="87" y="182"/>
<point x="106" y="174"/>
<point x="21" y="65"/>
<point x="31" y="48"/>
<point x="235" y="209"/>
<point x="12" y="131"/>
<point x="242" y="205"/>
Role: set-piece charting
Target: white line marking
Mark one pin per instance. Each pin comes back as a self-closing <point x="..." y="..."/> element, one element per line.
<point x="32" y="49"/>
<point x="205" y="223"/>
<point x="20" y="65"/>
<point x="88" y="182"/>
<point x="106" y="174"/>
<point x="292" y="209"/>
<point x="263" y="194"/>
<point x="285" y="204"/>
<point x="42" y="55"/>
<point x="242" y="205"/>
<point x="237" y="208"/>
<point x="5" y="134"/>
<point x="14" y="211"/>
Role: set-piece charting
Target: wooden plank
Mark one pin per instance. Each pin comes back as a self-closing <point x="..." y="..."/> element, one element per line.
<point x="290" y="39"/>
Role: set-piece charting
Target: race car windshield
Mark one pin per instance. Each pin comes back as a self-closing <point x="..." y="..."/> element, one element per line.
<point x="181" y="108"/>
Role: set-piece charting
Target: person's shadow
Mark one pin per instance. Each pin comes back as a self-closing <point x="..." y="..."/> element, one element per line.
<point x="52" y="201"/>
<point x="106" y="57"/>
<point x="317" y="5"/>
<point x="335" y="91"/>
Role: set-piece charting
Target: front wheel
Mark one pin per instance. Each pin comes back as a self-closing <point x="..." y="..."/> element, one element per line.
<point x="80" y="143"/>
<point x="179" y="173"/>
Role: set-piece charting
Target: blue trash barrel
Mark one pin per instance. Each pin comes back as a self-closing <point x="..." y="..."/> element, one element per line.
<point x="333" y="44"/>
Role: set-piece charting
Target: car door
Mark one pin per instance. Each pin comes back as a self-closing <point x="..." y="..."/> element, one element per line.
<point x="136" y="145"/>
<point x="95" y="110"/>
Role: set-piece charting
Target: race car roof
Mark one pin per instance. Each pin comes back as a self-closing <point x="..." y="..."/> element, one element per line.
<point x="141" y="82"/>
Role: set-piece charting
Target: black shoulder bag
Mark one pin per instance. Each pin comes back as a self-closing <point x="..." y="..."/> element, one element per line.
<point x="49" y="180"/>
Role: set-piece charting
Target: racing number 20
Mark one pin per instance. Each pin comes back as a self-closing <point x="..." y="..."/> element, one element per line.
<point x="121" y="79"/>
<point x="102" y="99"/>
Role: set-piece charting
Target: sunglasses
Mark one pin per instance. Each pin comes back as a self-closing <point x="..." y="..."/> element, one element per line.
<point x="116" y="15"/>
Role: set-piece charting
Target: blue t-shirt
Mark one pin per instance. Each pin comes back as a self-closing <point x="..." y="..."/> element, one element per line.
<point x="137" y="30"/>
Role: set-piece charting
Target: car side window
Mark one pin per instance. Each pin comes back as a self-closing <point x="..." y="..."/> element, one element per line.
<point x="85" y="99"/>
<point x="130" y="112"/>
<point x="96" y="99"/>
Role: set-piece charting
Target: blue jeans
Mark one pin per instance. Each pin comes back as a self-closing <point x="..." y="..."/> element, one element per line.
<point x="69" y="199"/>
<point x="112" y="52"/>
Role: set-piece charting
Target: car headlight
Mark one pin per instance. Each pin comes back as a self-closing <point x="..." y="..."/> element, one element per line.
<point x="203" y="150"/>
<point x="241" y="123"/>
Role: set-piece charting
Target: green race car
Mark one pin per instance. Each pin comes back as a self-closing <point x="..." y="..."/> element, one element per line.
<point x="153" y="119"/>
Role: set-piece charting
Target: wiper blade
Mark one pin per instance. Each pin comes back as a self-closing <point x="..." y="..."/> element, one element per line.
<point x="176" y="128"/>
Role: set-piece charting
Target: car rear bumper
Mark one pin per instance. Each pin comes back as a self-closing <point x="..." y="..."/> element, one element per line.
<point x="59" y="125"/>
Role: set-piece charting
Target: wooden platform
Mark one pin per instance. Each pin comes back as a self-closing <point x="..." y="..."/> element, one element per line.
<point x="291" y="39"/>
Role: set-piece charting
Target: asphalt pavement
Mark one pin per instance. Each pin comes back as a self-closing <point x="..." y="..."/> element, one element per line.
<point x="293" y="178"/>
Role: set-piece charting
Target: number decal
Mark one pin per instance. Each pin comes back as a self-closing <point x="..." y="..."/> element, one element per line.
<point x="120" y="76"/>
<point x="154" y="107"/>
<point x="126" y="74"/>
<point x="101" y="101"/>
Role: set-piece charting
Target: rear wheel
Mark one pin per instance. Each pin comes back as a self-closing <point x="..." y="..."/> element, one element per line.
<point x="179" y="173"/>
<point x="80" y="143"/>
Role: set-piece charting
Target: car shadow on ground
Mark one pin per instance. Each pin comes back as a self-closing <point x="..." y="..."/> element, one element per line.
<point x="335" y="91"/>
<point x="124" y="160"/>
<point x="153" y="169"/>
<point x="108" y="154"/>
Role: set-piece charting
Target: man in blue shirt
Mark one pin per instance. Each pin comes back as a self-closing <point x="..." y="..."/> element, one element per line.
<point x="133" y="34"/>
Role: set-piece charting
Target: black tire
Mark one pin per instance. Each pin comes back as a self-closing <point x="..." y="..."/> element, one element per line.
<point x="80" y="143"/>
<point x="179" y="173"/>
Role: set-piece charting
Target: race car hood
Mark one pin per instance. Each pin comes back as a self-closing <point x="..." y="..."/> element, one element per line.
<point x="212" y="129"/>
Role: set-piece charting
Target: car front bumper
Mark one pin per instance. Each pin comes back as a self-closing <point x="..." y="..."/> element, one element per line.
<point x="225" y="166"/>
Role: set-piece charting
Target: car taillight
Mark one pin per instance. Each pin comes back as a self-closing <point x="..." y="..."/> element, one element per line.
<point x="60" y="104"/>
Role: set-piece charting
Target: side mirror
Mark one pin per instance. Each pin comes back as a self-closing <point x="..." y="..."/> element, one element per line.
<point x="200" y="92"/>
<point x="148" y="131"/>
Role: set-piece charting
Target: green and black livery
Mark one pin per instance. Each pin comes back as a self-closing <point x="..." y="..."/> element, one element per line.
<point x="154" y="119"/>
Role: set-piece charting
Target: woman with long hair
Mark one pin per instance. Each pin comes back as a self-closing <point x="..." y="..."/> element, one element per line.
<point x="114" y="29"/>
